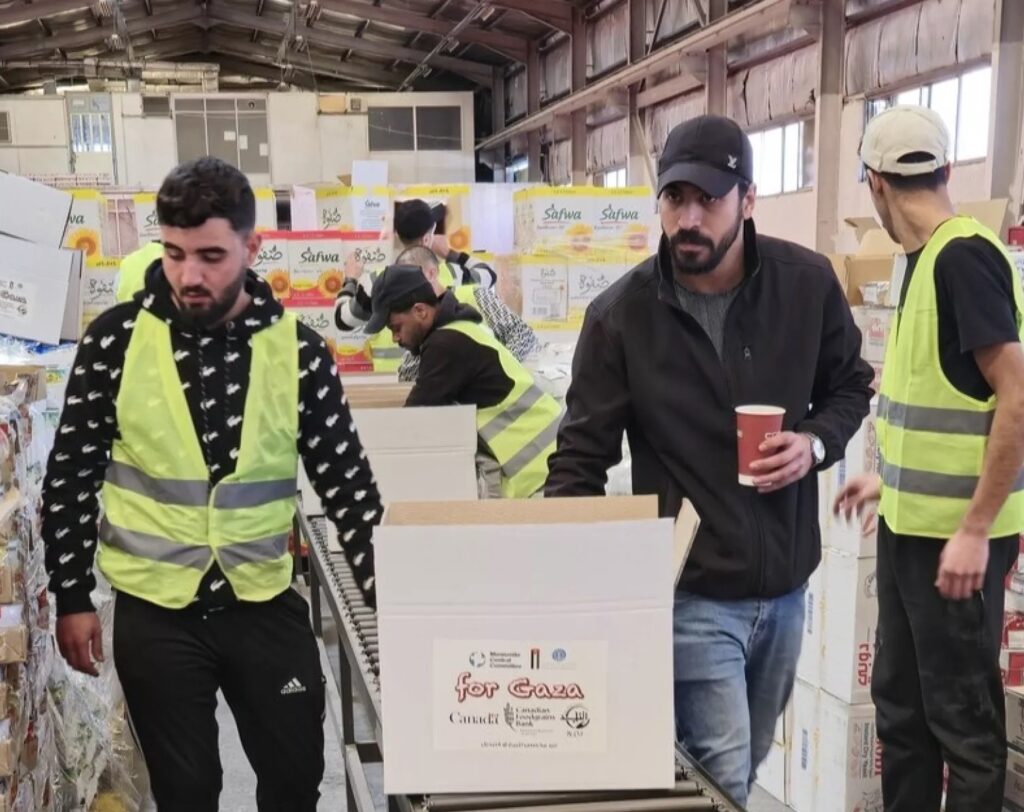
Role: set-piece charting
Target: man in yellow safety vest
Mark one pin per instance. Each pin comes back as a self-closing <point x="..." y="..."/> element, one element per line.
<point x="132" y="276"/>
<point x="462" y="362"/>
<point x="951" y="491"/>
<point x="189" y="409"/>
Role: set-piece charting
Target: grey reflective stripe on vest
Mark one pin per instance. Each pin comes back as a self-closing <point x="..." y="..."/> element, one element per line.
<point x="270" y="548"/>
<point x="501" y="421"/>
<point x="232" y="495"/>
<point x="187" y="492"/>
<point x="929" y="483"/>
<point x="387" y="352"/>
<point x="531" y="450"/>
<point x="155" y="548"/>
<point x="929" y="418"/>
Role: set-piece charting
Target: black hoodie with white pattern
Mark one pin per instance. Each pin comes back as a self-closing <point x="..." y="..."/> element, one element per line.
<point x="213" y="366"/>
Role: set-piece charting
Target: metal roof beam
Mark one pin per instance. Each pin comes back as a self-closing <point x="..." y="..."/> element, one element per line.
<point x="554" y="13"/>
<point x="25" y="14"/>
<point x="474" y="71"/>
<point x="71" y="40"/>
<point x="506" y="44"/>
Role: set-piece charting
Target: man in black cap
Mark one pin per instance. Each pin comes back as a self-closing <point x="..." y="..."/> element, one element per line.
<point x="461" y="362"/>
<point x="721" y="317"/>
<point x="418" y="223"/>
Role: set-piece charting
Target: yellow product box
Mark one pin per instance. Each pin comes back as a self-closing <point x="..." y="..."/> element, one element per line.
<point x="590" y="274"/>
<point x="557" y="217"/>
<point x="266" y="208"/>
<point x="146" y="223"/>
<point x="544" y="282"/>
<point x="99" y="287"/>
<point x="625" y="217"/>
<point x="455" y="198"/>
<point x="316" y="265"/>
<point x="272" y="262"/>
<point x="85" y="223"/>
<point x="353" y="208"/>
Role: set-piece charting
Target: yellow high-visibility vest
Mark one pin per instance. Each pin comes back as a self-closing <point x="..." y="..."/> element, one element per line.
<point x="164" y="525"/>
<point x="132" y="277"/>
<point x="521" y="430"/>
<point x="931" y="436"/>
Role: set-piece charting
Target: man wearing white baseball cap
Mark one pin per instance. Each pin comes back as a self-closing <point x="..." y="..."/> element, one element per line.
<point x="951" y="489"/>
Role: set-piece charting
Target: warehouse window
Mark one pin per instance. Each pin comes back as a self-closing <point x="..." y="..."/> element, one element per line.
<point x="391" y="129"/>
<point x="5" y="128"/>
<point x="233" y="129"/>
<point x="439" y="128"/>
<point x="961" y="101"/>
<point x="781" y="157"/>
<point x="611" y="178"/>
<point x="90" y="132"/>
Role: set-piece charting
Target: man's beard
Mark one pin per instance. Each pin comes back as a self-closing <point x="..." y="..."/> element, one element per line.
<point x="685" y="263"/>
<point x="208" y="315"/>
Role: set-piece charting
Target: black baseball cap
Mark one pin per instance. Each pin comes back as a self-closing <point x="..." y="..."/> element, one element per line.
<point x="396" y="285"/>
<point x="711" y="152"/>
<point x="414" y="218"/>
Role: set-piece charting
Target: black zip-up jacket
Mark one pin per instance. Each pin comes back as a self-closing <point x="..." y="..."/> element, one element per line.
<point x="213" y="366"/>
<point x="645" y="366"/>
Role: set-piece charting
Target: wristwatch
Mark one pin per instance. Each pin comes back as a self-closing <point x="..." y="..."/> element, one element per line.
<point x="817" y="448"/>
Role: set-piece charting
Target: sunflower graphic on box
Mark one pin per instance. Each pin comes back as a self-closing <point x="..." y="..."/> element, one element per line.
<point x="86" y="240"/>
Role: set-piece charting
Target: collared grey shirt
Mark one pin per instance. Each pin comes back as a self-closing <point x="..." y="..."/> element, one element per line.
<point x="709" y="310"/>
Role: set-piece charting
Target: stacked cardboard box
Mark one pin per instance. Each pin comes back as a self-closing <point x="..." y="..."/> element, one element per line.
<point x="1014" y="794"/>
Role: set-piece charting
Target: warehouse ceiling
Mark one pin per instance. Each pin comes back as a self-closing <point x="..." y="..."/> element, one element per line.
<point x="319" y="44"/>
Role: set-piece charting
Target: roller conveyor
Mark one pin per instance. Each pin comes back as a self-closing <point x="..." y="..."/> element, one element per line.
<point x="359" y="675"/>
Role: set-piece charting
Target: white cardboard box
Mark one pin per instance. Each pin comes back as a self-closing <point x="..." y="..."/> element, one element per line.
<point x="31" y="211"/>
<point x="32" y="278"/>
<point x="850" y="622"/>
<point x="1013" y="797"/>
<point x="861" y="458"/>
<point x="808" y="667"/>
<point x="771" y="775"/>
<point x="526" y="662"/>
<point x="803" y="749"/>
<point x="849" y="757"/>
<point x="419" y="454"/>
<point x="1015" y="717"/>
<point x="874" y="324"/>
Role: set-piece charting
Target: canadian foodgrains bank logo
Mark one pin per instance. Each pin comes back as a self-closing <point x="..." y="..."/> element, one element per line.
<point x="478" y="659"/>
<point x="577" y="717"/>
<point x="558" y="655"/>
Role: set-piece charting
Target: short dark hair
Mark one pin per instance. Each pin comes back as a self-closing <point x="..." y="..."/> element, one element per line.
<point x="204" y="188"/>
<point x="418" y="255"/>
<point x="424" y="295"/>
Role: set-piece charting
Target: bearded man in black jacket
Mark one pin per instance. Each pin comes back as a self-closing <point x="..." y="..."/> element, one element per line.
<point x="721" y="317"/>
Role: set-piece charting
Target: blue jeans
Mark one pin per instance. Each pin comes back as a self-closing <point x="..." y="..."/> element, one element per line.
<point x="735" y="662"/>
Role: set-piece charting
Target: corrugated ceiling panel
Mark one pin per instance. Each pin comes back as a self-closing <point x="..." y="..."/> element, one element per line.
<point x="556" y="70"/>
<point x="608" y="40"/>
<point x="607" y="146"/>
<point x="974" y="32"/>
<point x="775" y="90"/>
<point x="679" y="14"/>
<point x="662" y="118"/>
<point x="560" y="162"/>
<point x="936" y="35"/>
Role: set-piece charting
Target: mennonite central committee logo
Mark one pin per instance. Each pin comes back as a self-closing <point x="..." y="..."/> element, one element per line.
<point x="478" y="659"/>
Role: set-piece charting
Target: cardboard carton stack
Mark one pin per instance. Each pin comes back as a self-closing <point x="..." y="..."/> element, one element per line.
<point x="1014" y="795"/>
<point x="1011" y="654"/>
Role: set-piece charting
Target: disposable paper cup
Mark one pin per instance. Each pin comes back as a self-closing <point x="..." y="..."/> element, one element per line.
<point x="754" y="425"/>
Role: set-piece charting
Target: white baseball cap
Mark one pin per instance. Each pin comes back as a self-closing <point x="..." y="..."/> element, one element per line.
<point x="901" y="131"/>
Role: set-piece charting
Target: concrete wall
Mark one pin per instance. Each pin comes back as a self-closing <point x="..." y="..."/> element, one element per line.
<point x="39" y="130"/>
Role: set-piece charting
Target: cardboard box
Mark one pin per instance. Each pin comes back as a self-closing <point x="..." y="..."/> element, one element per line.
<point x="544" y="281"/>
<point x="354" y="208"/>
<point x="425" y="453"/>
<point x="99" y="288"/>
<point x="369" y="248"/>
<point x="850" y="623"/>
<point x="862" y="457"/>
<point x="377" y="395"/>
<point x="590" y="274"/>
<point x="1013" y="798"/>
<point x="146" y="223"/>
<point x="85" y="223"/>
<point x="1015" y="717"/>
<point x="316" y="263"/>
<point x="849" y="757"/>
<point x="266" y="208"/>
<point x="626" y="217"/>
<point x="272" y="263"/>
<point x="559" y="217"/>
<point x="13" y="644"/>
<point x="32" y="278"/>
<point x="771" y="775"/>
<point x="803" y="749"/>
<point x="8" y="758"/>
<point x="491" y="682"/>
<point x="33" y="212"/>
<point x="456" y="201"/>
<point x="808" y="667"/>
<point x="874" y="324"/>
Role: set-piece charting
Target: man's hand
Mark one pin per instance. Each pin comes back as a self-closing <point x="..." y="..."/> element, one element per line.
<point x="790" y="460"/>
<point x="962" y="565"/>
<point x="439" y="245"/>
<point x="353" y="267"/>
<point x="858" y="493"/>
<point x="80" y="640"/>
